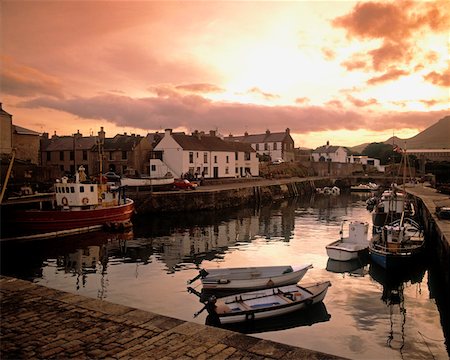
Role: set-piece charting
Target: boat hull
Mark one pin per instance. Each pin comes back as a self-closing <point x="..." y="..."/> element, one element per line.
<point x="309" y="296"/>
<point x="389" y="260"/>
<point x="59" y="220"/>
<point x="342" y="251"/>
<point x="230" y="281"/>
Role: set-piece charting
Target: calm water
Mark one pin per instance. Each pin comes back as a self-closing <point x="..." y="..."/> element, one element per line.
<point x="365" y="314"/>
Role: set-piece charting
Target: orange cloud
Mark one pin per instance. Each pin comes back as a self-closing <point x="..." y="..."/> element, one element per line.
<point x="390" y="75"/>
<point x="193" y="112"/>
<point x="328" y="54"/>
<point x="354" y="64"/>
<point x="361" y="103"/>
<point x="395" y="23"/>
<point x="200" y="88"/>
<point x="302" y="100"/>
<point x="21" y="80"/>
<point x="442" y="79"/>
<point x="258" y="91"/>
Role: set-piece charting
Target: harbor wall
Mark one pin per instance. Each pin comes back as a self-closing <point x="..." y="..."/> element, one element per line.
<point x="437" y="234"/>
<point x="221" y="197"/>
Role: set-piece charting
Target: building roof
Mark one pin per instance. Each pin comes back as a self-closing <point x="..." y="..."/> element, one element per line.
<point x="23" y="131"/>
<point x="327" y="149"/>
<point x="3" y="112"/>
<point x="261" y="138"/>
<point x="122" y="142"/>
<point x="62" y="143"/>
<point x="203" y="142"/>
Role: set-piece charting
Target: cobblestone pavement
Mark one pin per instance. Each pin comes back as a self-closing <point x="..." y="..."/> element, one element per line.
<point x="43" y="323"/>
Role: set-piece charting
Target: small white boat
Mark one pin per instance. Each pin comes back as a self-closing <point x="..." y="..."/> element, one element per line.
<point x="146" y="181"/>
<point x="269" y="302"/>
<point x="351" y="247"/>
<point x="364" y="187"/>
<point x="250" y="278"/>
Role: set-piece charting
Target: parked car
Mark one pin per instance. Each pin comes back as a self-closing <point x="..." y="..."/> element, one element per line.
<point x="277" y="161"/>
<point x="183" y="184"/>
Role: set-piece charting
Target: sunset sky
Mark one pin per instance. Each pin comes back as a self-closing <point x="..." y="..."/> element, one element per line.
<point x="348" y="72"/>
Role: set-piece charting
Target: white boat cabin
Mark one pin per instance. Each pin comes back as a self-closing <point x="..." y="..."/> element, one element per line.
<point x="84" y="195"/>
<point x="357" y="232"/>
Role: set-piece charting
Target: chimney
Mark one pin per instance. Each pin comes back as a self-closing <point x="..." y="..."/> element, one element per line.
<point x="267" y="132"/>
<point x="78" y="135"/>
<point x="101" y="134"/>
<point x="212" y="133"/>
<point x="45" y="135"/>
<point x="246" y="133"/>
<point x="230" y="136"/>
<point x="54" y="136"/>
<point x="168" y="131"/>
<point x="328" y="144"/>
<point x="288" y="131"/>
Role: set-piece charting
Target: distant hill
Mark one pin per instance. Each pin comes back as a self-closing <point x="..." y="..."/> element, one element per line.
<point x="437" y="136"/>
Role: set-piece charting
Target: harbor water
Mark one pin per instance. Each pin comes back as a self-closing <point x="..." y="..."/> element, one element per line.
<point x="367" y="313"/>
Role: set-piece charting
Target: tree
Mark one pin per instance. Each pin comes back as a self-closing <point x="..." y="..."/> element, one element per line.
<point x="382" y="151"/>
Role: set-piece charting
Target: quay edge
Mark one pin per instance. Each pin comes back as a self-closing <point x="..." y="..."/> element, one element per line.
<point x="437" y="233"/>
<point x="42" y="323"/>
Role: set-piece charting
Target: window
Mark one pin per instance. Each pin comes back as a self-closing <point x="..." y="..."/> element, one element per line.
<point x="153" y="167"/>
<point x="236" y="170"/>
<point x="266" y="146"/>
<point x="275" y="147"/>
<point x="257" y="147"/>
<point x="191" y="157"/>
<point x="205" y="171"/>
<point x="124" y="155"/>
<point x="227" y="171"/>
<point x="205" y="157"/>
<point x="72" y="189"/>
<point x="236" y="156"/>
<point x="228" y="159"/>
<point x="71" y="155"/>
<point x="61" y="156"/>
<point x="247" y="156"/>
<point x="81" y="189"/>
<point x="49" y="155"/>
<point x="215" y="159"/>
<point x="92" y="188"/>
<point x="197" y="154"/>
<point x="84" y="154"/>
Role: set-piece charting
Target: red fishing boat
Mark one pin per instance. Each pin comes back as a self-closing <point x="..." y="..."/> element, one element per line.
<point x="75" y="205"/>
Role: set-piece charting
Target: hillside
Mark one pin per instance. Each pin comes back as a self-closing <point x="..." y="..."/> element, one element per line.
<point x="437" y="136"/>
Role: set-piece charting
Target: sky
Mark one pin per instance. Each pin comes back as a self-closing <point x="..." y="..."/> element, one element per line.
<point x="339" y="71"/>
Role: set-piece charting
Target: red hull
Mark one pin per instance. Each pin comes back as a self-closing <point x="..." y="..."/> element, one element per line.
<point x="58" y="220"/>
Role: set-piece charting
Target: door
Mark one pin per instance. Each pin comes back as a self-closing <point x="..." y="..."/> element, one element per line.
<point x="216" y="172"/>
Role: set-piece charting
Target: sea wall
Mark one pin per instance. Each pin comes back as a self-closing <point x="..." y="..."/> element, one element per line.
<point x="437" y="233"/>
<point x="222" y="196"/>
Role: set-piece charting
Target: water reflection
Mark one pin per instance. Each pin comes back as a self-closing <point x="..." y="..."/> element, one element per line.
<point x="393" y="296"/>
<point x="354" y="267"/>
<point x="148" y="269"/>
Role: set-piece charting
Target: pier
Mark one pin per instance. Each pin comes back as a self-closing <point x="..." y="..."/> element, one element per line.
<point x="43" y="323"/>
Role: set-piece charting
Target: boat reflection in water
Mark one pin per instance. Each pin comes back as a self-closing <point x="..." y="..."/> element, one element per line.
<point x="394" y="284"/>
<point x="304" y="317"/>
<point x="354" y="267"/>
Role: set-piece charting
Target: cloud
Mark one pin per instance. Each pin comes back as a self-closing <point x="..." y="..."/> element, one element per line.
<point x="361" y="103"/>
<point x="23" y="81"/>
<point x="265" y="95"/>
<point x="396" y="24"/>
<point x="354" y="64"/>
<point x="441" y="79"/>
<point x="328" y="54"/>
<point x="390" y="75"/>
<point x="200" y="88"/>
<point x="194" y="112"/>
<point x="302" y="100"/>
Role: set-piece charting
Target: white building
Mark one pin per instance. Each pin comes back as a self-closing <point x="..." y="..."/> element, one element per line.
<point x="336" y="154"/>
<point x="206" y="155"/>
<point x="365" y="160"/>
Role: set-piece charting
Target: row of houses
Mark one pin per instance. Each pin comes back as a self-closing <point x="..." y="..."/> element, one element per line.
<point x="199" y="154"/>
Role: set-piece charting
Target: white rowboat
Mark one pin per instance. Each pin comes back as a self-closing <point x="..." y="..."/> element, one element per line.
<point x="251" y="278"/>
<point x="269" y="302"/>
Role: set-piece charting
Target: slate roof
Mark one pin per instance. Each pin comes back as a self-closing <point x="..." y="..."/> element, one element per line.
<point x="122" y="142"/>
<point x="208" y="143"/>
<point x="62" y="143"/>
<point x="260" y="138"/>
<point x="23" y="131"/>
<point x="327" y="149"/>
